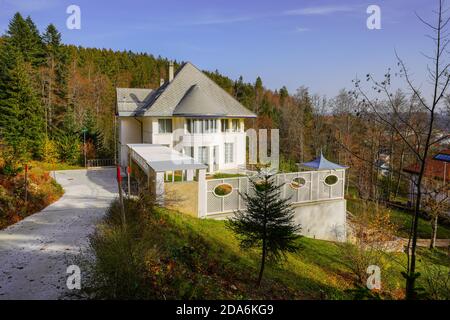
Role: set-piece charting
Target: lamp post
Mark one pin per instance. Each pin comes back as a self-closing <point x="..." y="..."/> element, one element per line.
<point x="84" y="130"/>
<point x="26" y="185"/>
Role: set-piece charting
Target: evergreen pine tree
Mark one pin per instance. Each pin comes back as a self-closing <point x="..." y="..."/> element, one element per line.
<point x="267" y="223"/>
<point x="24" y="36"/>
<point x="21" y="124"/>
<point x="54" y="77"/>
<point x="93" y="134"/>
<point x="68" y="139"/>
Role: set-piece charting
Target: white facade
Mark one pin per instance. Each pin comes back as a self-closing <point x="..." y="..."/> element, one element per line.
<point x="220" y="143"/>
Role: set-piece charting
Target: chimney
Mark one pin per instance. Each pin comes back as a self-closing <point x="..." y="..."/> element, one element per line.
<point x="161" y="82"/>
<point x="170" y="71"/>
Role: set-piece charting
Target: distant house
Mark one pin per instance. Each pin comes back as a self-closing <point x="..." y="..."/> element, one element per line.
<point x="189" y="113"/>
<point x="437" y="169"/>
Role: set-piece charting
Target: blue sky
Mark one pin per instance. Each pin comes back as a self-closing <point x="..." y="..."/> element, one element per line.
<point x="319" y="44"/>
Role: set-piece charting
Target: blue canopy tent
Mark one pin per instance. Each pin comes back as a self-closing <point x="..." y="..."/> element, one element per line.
<point x="321" y="163"/>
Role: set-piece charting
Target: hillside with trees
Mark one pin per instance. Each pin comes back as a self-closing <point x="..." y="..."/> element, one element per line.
<point x="51" y="94"/>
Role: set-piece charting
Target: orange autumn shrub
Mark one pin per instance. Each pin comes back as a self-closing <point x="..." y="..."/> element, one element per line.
<point x="42" y="190"/>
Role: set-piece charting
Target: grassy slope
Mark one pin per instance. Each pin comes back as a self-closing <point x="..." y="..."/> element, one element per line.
<point x="403" y="220"/>
<point x="312" y="273"/>
<point x="190" y="258"/>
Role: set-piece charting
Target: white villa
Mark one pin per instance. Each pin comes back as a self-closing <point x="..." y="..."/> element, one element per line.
<point x="189" y="127"/>
<point x="189" y="113"/>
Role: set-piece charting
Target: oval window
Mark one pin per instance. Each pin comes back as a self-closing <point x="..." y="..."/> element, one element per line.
<point x="298" y="182"/>
<point x="223" y="190"/>
<point x="331" y="179"/>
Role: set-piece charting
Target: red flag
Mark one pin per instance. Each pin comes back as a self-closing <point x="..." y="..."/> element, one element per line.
<point x="26" y="167"/>
<point x="129" y="170"/>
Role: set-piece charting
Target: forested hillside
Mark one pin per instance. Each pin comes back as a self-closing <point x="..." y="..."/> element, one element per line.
<point x="50" y="92"/>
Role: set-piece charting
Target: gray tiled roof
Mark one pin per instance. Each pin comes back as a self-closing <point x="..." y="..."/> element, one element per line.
<point x="197" y="102"/>
<point x="131" y="100"/>
<point x="180" y="97"/>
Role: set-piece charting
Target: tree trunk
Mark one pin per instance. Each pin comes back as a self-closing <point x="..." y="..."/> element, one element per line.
<point x="411" y="276"/>
<point x="391" y="166"/>
<point x="263" y="260"/>
<point x="434" y="227"/>
<point x="264" y="248"/>
<point x="402" y="157"/>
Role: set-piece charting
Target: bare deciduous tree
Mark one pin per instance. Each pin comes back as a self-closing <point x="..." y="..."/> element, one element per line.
<point x="418" y="137"/>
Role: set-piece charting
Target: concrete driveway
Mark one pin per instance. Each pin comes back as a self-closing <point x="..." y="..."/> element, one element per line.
<point x="34" y="252"/>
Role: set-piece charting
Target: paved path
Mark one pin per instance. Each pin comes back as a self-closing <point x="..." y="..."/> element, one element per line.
<point x="34" y="253"/>
<point x="440" y="243"/>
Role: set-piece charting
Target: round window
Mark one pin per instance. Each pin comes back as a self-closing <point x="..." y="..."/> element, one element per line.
<point x="298" y="182"/>
<point x="223" y="190"/>
<point x="331" y="179"/>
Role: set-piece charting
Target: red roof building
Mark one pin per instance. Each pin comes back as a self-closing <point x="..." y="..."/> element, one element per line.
<point x="433" y="168"/>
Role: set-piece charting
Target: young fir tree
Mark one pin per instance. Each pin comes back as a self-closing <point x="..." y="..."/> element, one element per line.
<point x="267" y="223"/>
<point x="93" y="134"/>
<point x="68" y="139"/>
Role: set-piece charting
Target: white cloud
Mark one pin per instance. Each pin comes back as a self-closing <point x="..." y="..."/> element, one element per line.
<point x="300" y="29"/>
<point x="320" y="10"/>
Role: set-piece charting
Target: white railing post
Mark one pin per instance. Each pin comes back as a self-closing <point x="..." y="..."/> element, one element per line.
<point x="202" y="193"/>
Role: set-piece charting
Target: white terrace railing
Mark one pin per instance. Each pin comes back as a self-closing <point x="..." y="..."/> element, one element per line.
<point x="299" y="187"/>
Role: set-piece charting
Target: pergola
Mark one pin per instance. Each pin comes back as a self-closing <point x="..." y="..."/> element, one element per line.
<point x="158" y="160"/>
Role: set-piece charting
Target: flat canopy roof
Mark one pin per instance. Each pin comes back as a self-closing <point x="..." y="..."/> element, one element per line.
<point x="161" y="158"/>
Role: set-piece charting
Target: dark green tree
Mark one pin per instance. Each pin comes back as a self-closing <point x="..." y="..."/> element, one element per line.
<point x="267" y="223"/>
<point x="68" y="140"/>
<point x="24" y="36"/>
<point x="284" y="94"/>
<point x="22" y="121"/>
<point x="93" y="134"/>
<point x="54" y="77"/>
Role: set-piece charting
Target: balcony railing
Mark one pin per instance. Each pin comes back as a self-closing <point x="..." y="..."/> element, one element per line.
<point x="94" y="163"/>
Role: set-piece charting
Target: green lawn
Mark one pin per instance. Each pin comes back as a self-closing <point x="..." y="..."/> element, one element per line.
<point x="176" y="178"/>
<point x="403" y="220"/>
<point x="174" y="256"/>
<point x="40" y="166"/>
<point x="220" y="175"/>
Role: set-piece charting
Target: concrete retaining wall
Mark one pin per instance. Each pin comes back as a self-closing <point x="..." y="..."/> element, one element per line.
<point x="324" y="220"/>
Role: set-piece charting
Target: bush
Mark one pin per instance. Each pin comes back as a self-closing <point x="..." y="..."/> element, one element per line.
<point x="42" y="190"/>
<point x="372" y="234"/>
<point x="154" y="257"/>
<point x="49" y="151"/>
<point x="10" y="169"/>
<point x="6" y="204"/>
<point x="69" y="149"/>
